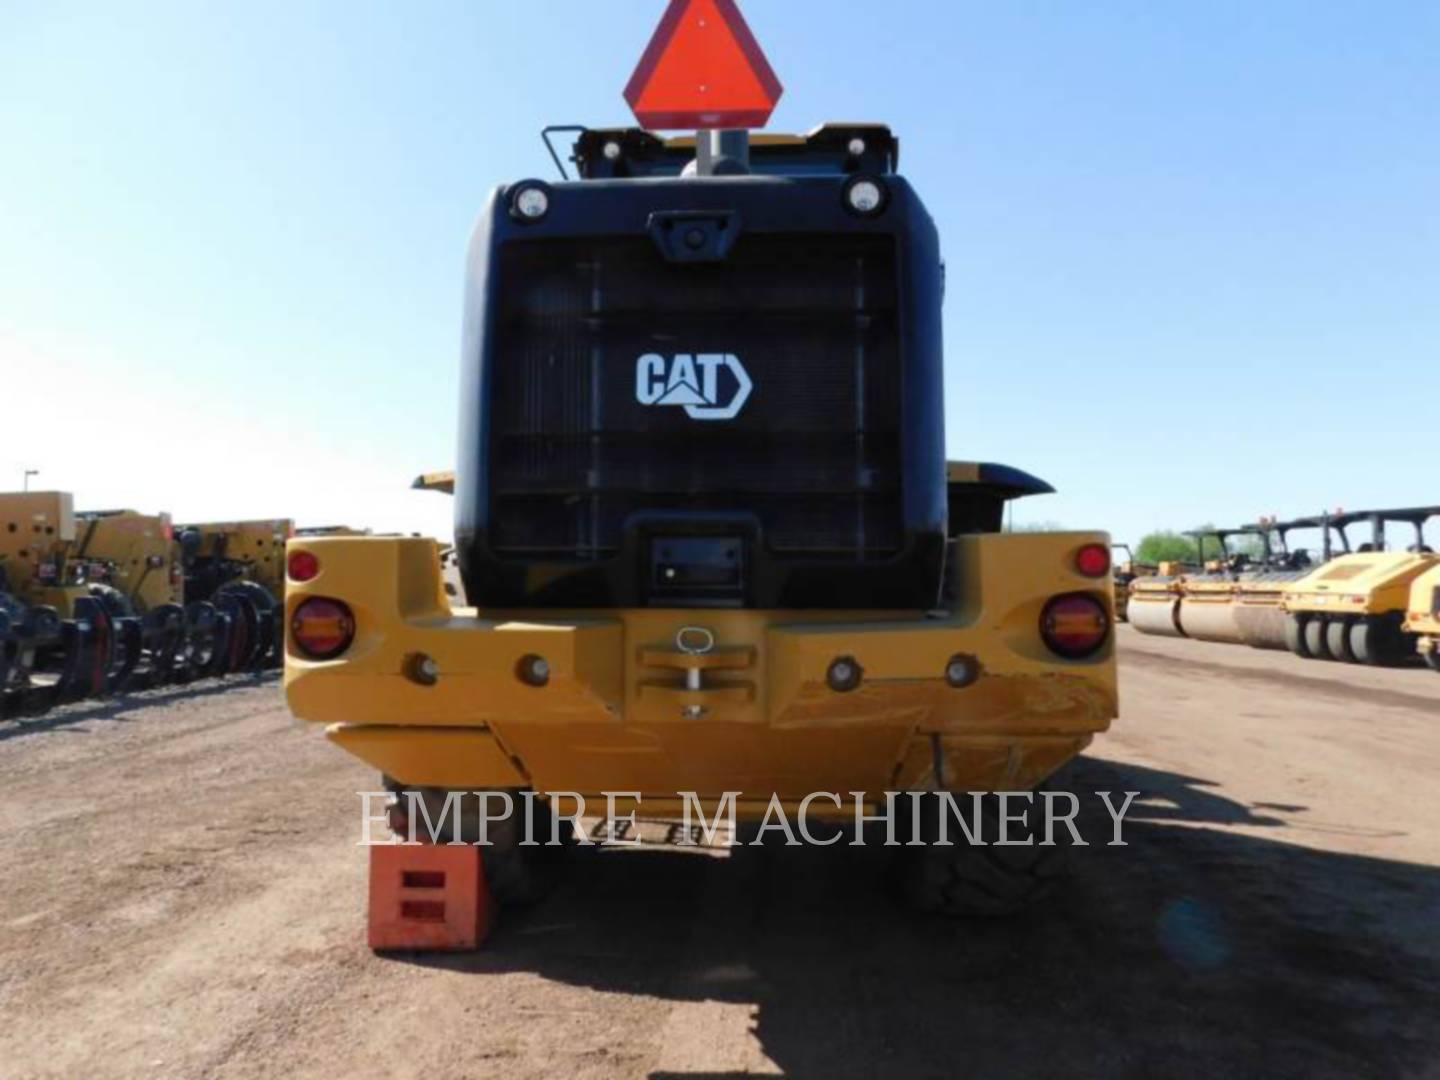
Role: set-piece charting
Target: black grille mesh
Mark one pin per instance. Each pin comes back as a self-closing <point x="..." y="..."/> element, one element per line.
<point x="814" y="453"/>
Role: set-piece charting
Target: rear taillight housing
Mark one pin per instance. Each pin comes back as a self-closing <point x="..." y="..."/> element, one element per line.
<point x="302" y="566"/>
<point x="322" y="628"/>
<point x="1093" y="560"/>
<point x="1074" y="625"/>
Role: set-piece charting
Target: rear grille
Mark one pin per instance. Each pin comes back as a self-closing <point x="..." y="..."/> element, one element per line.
<point x="814" y="453"/>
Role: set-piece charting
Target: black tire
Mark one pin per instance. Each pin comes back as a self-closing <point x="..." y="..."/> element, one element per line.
<point x="1377" y="640"/>
<point x="516" y="875"/>
<point x="1295" y="635"/>
<point x="1317" y="638"/>
<point x="1337" y="638"/>
<point x="973" y="881"/>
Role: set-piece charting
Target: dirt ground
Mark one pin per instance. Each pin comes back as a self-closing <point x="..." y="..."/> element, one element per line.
<point x="181" y="895"/>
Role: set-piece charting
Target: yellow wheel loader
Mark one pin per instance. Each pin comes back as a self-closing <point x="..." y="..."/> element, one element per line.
<point x="708" y="537"/>
<point x="1354" y="608"/>
<point x="1423" y="618"/>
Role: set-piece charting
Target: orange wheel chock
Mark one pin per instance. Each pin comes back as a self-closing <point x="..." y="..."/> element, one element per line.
<point x="429" y="897"/>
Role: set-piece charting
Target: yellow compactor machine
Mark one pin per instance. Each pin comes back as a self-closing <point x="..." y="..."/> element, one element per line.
<point x="708" y="537"/>
<point x="1259" y="611"/>
<point x="1423" y="618"/>
<point x="1354" y="608"/>
<point x="1236" y="594"/>
<point x="1154" y="601"/>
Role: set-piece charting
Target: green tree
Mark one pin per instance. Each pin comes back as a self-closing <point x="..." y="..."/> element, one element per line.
<point x="1165" y="545"/>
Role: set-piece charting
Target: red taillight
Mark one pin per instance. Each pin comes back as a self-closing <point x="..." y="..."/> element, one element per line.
<point x="302" y="566"/>
<point x="1093" y="560"/>
<point x="1074" y="625"/>
<point x="322" y="629"/>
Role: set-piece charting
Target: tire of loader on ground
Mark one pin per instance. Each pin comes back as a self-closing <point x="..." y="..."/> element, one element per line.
<point x="1337" y="638"/>
<point x="973" y="881"/>
<point x="1379" y="641"/>
<point x="1295" y="635"/>
<point x="516" y="875"/>
<point x="1317" y="638"/>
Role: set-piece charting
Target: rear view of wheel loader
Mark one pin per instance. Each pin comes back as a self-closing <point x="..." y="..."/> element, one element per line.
<point x="705" y="519"/>
<point x="1354" y="608"/>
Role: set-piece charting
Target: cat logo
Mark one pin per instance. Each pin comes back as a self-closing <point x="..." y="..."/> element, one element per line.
<point x="693" y="381"/>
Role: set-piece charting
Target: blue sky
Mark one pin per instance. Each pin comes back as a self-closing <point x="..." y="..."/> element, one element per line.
<point x="1193" y="249"/>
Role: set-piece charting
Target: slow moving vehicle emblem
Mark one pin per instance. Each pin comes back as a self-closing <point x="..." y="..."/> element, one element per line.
<point x="694" y="383"/>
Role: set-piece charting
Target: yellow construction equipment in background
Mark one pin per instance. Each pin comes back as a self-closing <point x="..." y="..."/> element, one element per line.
<point x="102" y="602"/>
<point x="1354" y="607"/>
<point x="217" y="553"/>
<point x="1154" y="604"/>
<point x="1423" y="618"/>
<point x="133" y="554"/>
<point x="1126" y="571"/>
<point x="1259" y="613"/>
<point x="1207" y="597"/>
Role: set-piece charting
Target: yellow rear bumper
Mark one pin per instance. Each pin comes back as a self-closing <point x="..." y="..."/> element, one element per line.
<point x="620" y="711"/>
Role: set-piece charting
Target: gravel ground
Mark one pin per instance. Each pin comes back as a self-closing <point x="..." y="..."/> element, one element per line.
<point x="183" y="897"/>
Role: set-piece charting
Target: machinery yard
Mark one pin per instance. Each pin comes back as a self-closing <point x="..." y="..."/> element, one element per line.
<point x="184" y="897"/>
<point x="721" y="420"/>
